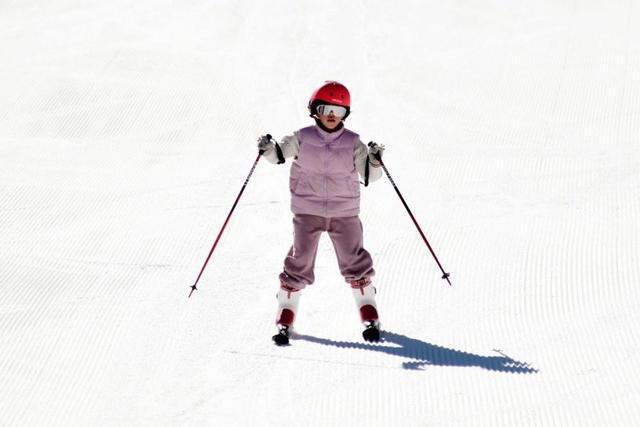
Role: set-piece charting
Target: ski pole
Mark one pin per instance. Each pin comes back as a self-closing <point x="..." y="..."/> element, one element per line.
<point x="246" y="181"/>
<point x="378" y="157"/>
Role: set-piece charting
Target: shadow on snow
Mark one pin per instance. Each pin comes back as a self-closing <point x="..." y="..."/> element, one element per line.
<point x="423" y="353"/>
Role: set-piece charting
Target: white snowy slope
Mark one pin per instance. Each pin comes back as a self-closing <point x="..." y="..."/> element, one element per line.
<point x="128" y="128"/>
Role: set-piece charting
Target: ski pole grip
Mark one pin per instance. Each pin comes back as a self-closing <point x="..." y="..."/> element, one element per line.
<point x="261" y="152"/>
<point x="376" y="155"/>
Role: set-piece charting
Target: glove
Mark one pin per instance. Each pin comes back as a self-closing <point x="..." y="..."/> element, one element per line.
<point x="265" y="143"/>
<point x="375" y="151"/>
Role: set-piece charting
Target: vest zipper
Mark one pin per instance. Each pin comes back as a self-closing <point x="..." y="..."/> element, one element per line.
<point x="326" y="172"/>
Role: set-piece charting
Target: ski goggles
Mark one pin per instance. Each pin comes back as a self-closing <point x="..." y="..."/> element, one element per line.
<point x="326" y="109"/>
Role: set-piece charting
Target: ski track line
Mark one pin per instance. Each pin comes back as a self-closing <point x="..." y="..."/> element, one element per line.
<point x="40" y="296"/>
<point x="53" y="368"/>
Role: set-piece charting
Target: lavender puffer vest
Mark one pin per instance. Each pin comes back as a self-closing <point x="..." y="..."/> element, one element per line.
<point x="323" y="179"/>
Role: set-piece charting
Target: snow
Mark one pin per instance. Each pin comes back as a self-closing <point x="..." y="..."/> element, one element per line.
<point x="128" y="129"/>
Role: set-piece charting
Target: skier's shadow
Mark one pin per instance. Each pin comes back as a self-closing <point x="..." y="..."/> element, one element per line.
<point x="422" y="353"/>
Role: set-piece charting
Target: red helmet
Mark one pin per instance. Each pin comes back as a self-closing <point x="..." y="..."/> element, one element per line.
<point x="330" y="92"/>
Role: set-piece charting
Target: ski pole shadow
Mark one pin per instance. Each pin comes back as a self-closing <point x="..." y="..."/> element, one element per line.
<point x="422" y="354"/>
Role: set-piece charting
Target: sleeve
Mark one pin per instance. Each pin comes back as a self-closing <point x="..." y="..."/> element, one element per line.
<point x="289" y="146"/>
<point x="361" y="159"/>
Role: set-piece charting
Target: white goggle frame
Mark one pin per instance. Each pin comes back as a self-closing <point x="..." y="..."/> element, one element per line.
<point x="326" y="109"/>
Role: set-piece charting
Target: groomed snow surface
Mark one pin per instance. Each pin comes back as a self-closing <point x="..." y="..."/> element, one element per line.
<point x="128" y="128"/>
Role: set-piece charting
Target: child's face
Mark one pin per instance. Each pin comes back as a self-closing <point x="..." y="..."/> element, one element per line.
<point x="329" y="121"/>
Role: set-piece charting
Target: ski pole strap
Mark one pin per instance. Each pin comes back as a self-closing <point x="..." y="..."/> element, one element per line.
<point x="366" y="166"/>
<point x="279" y="154"/>
<point x="378" y="157"/>
<point x="366" y="172"/>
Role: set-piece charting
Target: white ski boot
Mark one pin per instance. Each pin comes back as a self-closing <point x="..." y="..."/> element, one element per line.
<point x="288" y="300"/>
<point x="364" y="294"/>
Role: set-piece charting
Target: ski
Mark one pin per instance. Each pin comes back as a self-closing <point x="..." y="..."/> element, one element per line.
<point x="371" y="332"/>
<point x="282" y="337"/>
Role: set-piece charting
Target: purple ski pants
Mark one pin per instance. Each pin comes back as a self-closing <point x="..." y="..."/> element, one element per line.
<point x="346" y="235"/>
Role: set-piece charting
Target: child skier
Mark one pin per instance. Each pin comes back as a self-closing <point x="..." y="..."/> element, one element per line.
<point x="325" y="196"/>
